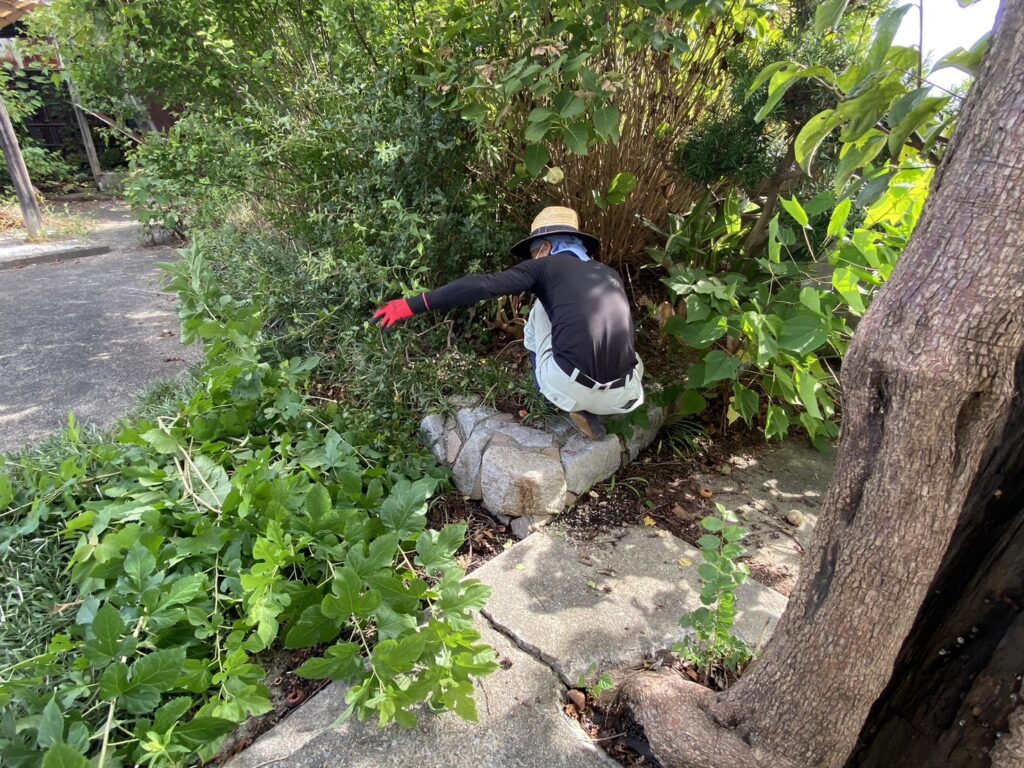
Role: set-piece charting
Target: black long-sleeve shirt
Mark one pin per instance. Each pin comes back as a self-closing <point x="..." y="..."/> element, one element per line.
<point x="591" y="324"/>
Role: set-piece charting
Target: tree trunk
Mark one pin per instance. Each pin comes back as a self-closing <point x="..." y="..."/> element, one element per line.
<point x="931" y="439"/>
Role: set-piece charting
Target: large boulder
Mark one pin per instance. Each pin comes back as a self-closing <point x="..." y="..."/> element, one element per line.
<point x="515" y="482"/>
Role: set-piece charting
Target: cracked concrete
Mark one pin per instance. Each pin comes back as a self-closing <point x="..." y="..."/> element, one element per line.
<point x="559" y="610"/>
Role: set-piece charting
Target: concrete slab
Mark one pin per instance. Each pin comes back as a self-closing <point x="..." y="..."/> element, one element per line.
<point x="777" y="493"/>
<point x="85" y="336"/>
<point x="521" y="726"/>
<point x="608" y="602"/>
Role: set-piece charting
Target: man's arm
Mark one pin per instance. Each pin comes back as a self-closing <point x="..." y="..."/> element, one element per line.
<point x="525" y="276"/>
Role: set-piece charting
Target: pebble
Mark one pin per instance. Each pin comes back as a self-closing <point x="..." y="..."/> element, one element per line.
<point x="725" y="469"/>
<point x="795" y="518"/>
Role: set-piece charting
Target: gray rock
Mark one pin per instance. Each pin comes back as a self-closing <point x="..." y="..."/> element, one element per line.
<point x="432" y="432"/>
<point x="468" y="418"/>
<point x="452" y="445"/>
<point x="644" y="436"/>
<point x="517" y="483"/>
<point x="518" y="435"/>
<point x="589" y="461"/>
<point x="574" y="604"/>
<point x="466" y="469"/>
<point x="524" y="526"/>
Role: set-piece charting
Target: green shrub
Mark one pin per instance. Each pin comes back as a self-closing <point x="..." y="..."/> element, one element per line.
<point x="243" y="519"/>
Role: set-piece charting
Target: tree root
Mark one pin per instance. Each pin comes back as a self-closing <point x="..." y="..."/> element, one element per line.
<point x="680" y="722"/>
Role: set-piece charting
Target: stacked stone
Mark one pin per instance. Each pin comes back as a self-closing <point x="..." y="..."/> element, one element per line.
<point x="525" y="476"/>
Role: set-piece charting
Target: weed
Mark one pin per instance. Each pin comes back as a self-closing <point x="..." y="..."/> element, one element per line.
<point x="712" y="647"/>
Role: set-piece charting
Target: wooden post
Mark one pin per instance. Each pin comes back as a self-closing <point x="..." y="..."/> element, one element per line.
<point x="19" y="174"/>
<point x="83" y="126"/>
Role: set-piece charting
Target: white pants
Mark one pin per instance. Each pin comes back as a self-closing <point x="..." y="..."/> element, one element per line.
<point x="562" y="389"/>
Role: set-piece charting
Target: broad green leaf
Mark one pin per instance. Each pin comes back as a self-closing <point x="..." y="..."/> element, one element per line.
<point x="312" y="628"/>
<point x="459" y="598"/>
<point x="916" y="118"/>
<point x="803" y="332"/>
<point x="340" y="662"/>
<point x="720" y="366"/>
<point x="474" y="111"/>
<point x="828" y="14"/>
<point x="968" y="61"/>
<point x="139" y="565"/>
<point x="140" y="699"/>
<point x="774" y="243"/>
<point x="404" y="510"/>
<point x="807" y="385"/>
<point x="161" y="669"/>
<point x="536" y="158"/>
<point x="50" y="729"/>
<point x="845" y="281"/>
<point x="745" y="401"/>
<point x="864" y="112"/>
<point x="794" y="209"/>
<point x="782" y="79"/>
<point x="346" y="598"/>
<point x="209" y="480"/>
<point x="857" y="155"/>
<point x="540" y="115"/>
<point x="711" y="523"/>
<point x="535" y="132"/>
<point x="161" y="441"/>
<point x="814" y="132"/>
<point x="621" y="187"/>
<point x="391" y="623"/>
<point x="105" y="645"/>
<point x="777" y="423"/>
<point x="709" y="541"/>
<point x="61" y="755"/>
<point x="837" y="221"/>
<point x="318" y="502"/>
<point x="380" y="554"/>
<point x="606" y="123"/>
<point x="433" y="554"/>
<point x="811" y="299"/>
<point x="702" y="335"/>
<point x="765" y="74"/>
<point x="696" y="308"/>
<point x="203" y="730"/>
<point x="390" y="657"/>
<point x="692" y="403"/>
<point x="576" y="135"/>
<point x="733" y="533"/>
<point x="885" y="30"/>
<point x="171" y="712"/>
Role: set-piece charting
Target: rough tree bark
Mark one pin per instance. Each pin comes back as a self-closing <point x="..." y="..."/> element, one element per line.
<point x="930" y="449"/>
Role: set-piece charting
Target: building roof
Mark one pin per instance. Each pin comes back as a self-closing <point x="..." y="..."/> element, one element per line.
<point x="12" y="10"/>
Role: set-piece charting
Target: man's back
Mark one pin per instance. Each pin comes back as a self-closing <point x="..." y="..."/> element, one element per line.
<point x="591" y="322"/>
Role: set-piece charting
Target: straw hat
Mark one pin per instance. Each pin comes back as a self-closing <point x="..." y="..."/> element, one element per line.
<point x="555" y="220"/>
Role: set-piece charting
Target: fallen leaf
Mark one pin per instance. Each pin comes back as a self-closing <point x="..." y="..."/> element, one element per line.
<point x="578" y="698"/>
<point x="592" y="494"/>
<point x="685" y="562"/>
<point x="523" y="413"/>
<point x="706" y="492"/>
<point x="649" y="521"/>
<point x="520" y="567"/>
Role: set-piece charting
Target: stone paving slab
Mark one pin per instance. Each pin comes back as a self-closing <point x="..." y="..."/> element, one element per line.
<point x="608" y="602"/>
<point x="86" y="336"/>
<point x="521" y="726"/>
<point x="558" y="606"/>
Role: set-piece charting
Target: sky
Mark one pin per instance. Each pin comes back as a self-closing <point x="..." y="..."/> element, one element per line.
<point x="946" y="26"/>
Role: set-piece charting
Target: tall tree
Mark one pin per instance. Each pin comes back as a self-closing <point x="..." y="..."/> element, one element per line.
<point x="923" y="521"/>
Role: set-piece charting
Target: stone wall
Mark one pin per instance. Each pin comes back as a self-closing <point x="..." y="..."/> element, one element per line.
<point x="524" y="475"/>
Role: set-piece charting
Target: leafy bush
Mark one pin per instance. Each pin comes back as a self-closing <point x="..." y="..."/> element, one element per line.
<point x="248" y="518"/>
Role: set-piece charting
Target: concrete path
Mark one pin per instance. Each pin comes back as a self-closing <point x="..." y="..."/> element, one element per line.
<point x="559" y="609"/>
<point x="85" y="335"/>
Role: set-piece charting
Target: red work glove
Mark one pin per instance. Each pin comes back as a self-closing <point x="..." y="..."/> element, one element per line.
<point x="393" y="312"/>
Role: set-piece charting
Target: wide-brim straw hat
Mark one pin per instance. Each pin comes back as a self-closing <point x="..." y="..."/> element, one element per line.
<point x="555" y="220"/>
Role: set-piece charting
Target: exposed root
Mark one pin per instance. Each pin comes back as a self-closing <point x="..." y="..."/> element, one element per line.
<point x="678" y="720"/>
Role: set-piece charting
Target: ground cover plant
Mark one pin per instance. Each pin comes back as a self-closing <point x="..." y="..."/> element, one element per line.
<point x="244" y="519"/>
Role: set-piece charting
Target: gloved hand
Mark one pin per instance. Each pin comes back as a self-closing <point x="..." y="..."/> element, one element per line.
<point x="393" y="312"/>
